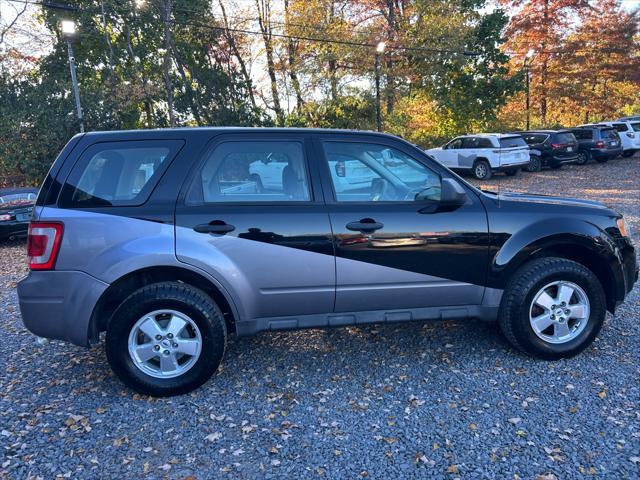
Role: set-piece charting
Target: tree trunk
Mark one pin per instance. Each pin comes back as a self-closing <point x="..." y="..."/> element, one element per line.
<point x="264" y="20"/>
<point x="391" y="27"/>
<point x="191" y="97"/>
<point x="292" y="62"/>
<point x="236" y="53"/>
<point x="166" y="64"/>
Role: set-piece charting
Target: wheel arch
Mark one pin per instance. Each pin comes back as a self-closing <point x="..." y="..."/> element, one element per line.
<point x="124" y="286"/>
<point x="585" y="244"/>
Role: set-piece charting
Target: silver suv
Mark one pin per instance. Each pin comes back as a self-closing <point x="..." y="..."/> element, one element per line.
<point x="170" y="240"/>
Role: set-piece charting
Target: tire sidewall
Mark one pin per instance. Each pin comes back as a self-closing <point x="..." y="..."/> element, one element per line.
<point x="487" y="170"/>
<point x="213" y="345"/>
<point x="538" y="346"/>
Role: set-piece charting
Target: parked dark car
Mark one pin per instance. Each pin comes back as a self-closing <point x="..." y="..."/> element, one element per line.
<point x="550" y="148"/>
<point x="597" y="142"/>
<point x="164" y="239"/>
<point x="16" y="205"/>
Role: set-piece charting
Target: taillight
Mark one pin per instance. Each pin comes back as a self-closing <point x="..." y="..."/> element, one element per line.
<point x="43" y="244"/>
<point x="556" y="146"/>
<point x="599" y="144"/>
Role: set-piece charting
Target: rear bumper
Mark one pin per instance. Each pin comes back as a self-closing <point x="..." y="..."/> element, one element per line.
<point x="13" y="229"/>
<point x="609" y="153"/>
<point x="511" y="166"/>
<point x="59" y="304"/>
<point x="557" y="160"/>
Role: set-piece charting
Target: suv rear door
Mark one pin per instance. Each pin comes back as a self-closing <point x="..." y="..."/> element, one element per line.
<point x="266" y="240"/>
<point x="393" y="251"/>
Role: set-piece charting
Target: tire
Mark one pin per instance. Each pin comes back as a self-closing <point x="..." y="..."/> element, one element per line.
<point x="512" y="173"/>
<point x="190" y="304"/>
<point x="482" y="170"/>
<point x="518" y="304"/>
<point x="628" y="154"/>
<point x="535" y="164"/>
<point x="583" y="157"/>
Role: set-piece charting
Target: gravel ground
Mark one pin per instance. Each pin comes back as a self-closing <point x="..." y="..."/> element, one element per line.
<point x="443" y="400"/>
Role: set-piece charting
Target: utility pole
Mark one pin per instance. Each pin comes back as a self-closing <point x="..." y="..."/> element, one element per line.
<point x="527" y="80"/>
<point x="379" y="50"/>
<point x="68" y="30"/>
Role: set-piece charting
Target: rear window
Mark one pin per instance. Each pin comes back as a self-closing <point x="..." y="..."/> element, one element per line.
<point x="583" y="134"/>
<point x="635" y="126"/>
<point x="117" y="173"/>
<point x="534" y="138"/>
<point x="565" y="137"/>
<point x="510" y="142"/>
<point x="609" y="134"/>
<point x="17" y="199"/>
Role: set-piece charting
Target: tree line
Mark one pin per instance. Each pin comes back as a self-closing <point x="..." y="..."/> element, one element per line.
<point x="447" y="67"/>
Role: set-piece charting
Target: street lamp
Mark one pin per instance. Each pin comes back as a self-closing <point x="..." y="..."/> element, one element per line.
<point x="379" y="50"/>
<point x="68" y="28"/>
<point x="527" y="59"/>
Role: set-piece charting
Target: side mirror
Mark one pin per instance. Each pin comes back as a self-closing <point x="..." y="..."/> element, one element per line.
<point x="340" y="168"/>
<point x="452" y="193"/>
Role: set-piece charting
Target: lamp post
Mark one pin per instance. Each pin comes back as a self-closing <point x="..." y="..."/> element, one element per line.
<point x="379" y="50"/>
<point x="527" y="58"/>
<point x="68" y="30"/>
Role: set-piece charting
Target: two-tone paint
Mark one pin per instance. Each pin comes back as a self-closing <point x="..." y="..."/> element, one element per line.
<point x="295" y="264"/>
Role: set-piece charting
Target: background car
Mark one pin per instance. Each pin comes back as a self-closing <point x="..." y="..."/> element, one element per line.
<point x="629" y="138"/>
<point x="16" y="205"/>
<point x="550" y="148"/>
<point x="484" y="154"/>
<point x="634" y="118"/>
<point x="596" y="142"/>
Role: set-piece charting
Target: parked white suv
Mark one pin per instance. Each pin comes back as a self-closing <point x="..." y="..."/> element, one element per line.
<point x="629" y="135"/>
<point x="484" y="154"/>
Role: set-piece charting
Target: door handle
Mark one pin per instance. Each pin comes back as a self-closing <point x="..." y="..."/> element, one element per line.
<point x="215" y="226"/>
<point x="365" y="225"/>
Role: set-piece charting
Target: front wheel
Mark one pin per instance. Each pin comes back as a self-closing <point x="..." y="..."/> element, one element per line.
<point x="552" y="308"/>
<point x="482" y="170"/>
<point x="166" y="339"/>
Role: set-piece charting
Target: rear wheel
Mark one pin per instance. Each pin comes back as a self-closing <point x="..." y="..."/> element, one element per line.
<point x="583" y="157"/>
<point x="535" y="164"/>
<point x="553" y="308"/>
<point x="482" y="170"/>
<point x="166" y="339"/>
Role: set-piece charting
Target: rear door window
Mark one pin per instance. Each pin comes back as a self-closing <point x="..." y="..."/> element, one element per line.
<point x="583" y="134"/>
<point x="635" y="126"/>
<point x="534" y="138"/>
<point x="511" y="142"/>
<point x="254" y="172"/>
<point x="565" y="137"/>
<point x="118" y="173"/>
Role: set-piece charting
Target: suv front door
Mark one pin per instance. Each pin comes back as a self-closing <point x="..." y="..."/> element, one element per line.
<point x="267" y="239"/>
<point x="396" y="246"/>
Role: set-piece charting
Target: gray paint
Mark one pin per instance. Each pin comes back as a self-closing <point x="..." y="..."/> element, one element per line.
<point x="59" y="304"/>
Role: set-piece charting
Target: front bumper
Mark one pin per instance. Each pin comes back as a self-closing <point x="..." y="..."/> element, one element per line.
<point x="59" y="304"/>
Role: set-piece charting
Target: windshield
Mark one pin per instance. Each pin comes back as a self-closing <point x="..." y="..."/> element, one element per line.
<point x="510" y="142"/>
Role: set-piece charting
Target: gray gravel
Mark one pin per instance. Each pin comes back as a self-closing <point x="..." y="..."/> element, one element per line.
<point x="443" y="400"/>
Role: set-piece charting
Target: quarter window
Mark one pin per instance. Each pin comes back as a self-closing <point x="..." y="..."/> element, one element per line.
<point x="363" y="172"/>
<point x="252" y="171"/>
<point x="117" y="173"/>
